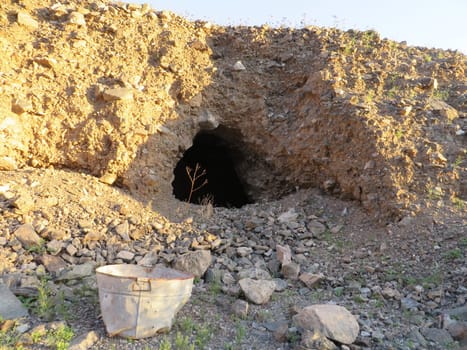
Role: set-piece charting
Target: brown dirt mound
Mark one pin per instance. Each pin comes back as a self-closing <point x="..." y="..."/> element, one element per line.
<point x="121" y="90"/>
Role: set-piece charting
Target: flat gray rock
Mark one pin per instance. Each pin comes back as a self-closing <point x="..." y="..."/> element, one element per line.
<point x="10" y="307"/>
<point x="257" y="291"/>
<point x="333" y="321"/>
<point x="195" y="263"/>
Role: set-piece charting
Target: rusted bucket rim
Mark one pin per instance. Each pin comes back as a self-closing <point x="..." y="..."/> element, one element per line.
<point x="138" y="272"/>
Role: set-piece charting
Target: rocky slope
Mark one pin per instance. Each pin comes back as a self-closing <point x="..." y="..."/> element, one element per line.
<point x="351" y="147"/>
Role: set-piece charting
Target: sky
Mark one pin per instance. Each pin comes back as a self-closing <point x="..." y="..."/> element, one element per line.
<point x="429" y="23"/>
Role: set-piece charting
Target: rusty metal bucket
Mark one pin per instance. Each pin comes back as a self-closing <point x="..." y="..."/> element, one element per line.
<point x="138" y="302"/>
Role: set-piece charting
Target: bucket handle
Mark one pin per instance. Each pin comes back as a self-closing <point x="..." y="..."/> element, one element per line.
<point x="141" y="284"/>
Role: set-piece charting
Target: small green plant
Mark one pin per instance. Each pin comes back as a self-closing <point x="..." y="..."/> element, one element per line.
<point x="38" y="248"/>
<point x="409" y="280"/>
<point x="187" y="325"/>
<point x="434" y="192"/>
<point x="392" y="92"/>
<point x="358" y="299"/>
<point x="328" y="237"/>
<point x="338" y="291"/>
<point x="261" y="316"/>
<point x="369" y="96"/>
<point x="28" y="302"/>
<point x="215" y="287"/>
<point x="203" y="336"/>
<point x="294" y="338"/>
<point x="349" y="49"/>
<point x="165" y="345"/>
<point x="182" y="342"/>
<point x="8" y="339"/>
<point x="457" y="163"/>
<point x="435" y="279"/>
<point x="60" y="337"/>
<point x="399" y="133"/>
<point x="368" y="38"/>
<point x="453" y="254"/>
<point x="392" y="274"/>
<point x="36" y="336"/>
<point x="317" y="295"/>
<point x="61" y="307"/>
<point x="378" y="301"/>
<point x="459" y="203"/>
<point x="410" y="344"/>
<point x="44" y="303"/>
<point x="441" y="94"/>
<point x="427" y="58"/>
<point x="463" y="242"/>
<point x="240" y="332"/>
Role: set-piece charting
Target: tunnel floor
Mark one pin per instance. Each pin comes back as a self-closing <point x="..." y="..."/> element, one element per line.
<point x="206" y="174"/>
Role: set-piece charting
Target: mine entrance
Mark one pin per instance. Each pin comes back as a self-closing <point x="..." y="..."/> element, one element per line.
<point x="207" y="173"/>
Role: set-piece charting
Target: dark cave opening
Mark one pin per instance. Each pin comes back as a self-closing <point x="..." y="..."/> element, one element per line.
<point x="207" y="173"/>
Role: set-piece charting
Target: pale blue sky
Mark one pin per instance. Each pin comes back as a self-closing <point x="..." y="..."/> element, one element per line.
<point x="431" y="23"/>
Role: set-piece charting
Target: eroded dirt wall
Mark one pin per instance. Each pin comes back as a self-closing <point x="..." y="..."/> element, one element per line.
<point x="120" y="91"/>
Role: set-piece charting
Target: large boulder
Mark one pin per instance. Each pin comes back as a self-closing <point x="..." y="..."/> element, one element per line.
<point x="333" y="321"/>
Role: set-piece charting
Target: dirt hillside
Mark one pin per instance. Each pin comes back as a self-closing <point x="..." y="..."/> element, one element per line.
<point x="349" y="151"/>
<point x="121" y="90"/>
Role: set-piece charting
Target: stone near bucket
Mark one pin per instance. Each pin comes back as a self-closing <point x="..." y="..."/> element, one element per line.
<point x="10" y="306"/>
<point x="138" y="302"/>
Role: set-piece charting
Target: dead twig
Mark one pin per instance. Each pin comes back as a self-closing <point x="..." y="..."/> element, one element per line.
<point x="194" y="176"/>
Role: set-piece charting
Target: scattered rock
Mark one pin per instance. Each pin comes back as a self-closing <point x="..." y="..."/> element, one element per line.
<point x="284" y="254"/>
<point x="117" y="94"/>
<point x="333" y="321"/>
<point x="108" y="178"/>
<point x="281" y="333"/>
<point x="125" y="255"/>
<point x="240" y="308"/>
<point x="195" y="263"/>
<point x="288" y="216"/>
<point x="459" y="313"/>
<point x="53" y="264"/>
<point x="47" y="62"/>
<point x="317" y="228"/>
<point x="84" y="342"/>
<point x="123" y="230"/>
<point x="257" y="291"/>
<point x="10" y="307"/>
<point x="28" y="236"/>
<point x="77" y="272"/>
<point x="313" y="339"/>
<point x="26" y="20"/>
<point x="77" y="18"/>
<point x="238" y="66"/>
<point x="150" y="259"/>
<point x="207" y="120"/>
<point x="254" y="273"/>
<point x="439" y="336"/>
<point x="310" y="279"/>
<point x="244" y="251"/>
<point x="409" y="304"/>
<point x="281" y="284"/>
<point x="24" y="203"/>
<point x="391" y="293"/>
<point x="458" y="331"/>
<point x="290" y="271"/>
<point x="8" y="163"/>
<point x="54" y="247"/>
<point x="21" y="106"/>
